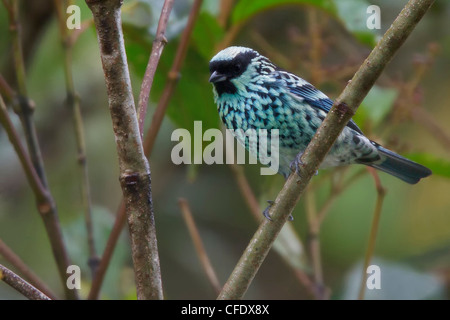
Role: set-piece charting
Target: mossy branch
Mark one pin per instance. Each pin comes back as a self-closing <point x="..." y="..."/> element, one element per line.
<point x="342" y="111"/>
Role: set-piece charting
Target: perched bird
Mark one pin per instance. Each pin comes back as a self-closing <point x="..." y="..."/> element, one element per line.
<point x="253" y="93"/>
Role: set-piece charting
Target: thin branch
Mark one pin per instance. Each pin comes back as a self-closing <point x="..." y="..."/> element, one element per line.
<point x="21" y="285"/>
<point x="44" y="200"/>
<point x="381" y="192"/>
<point x="15" y="260"/>
<point x="134" y="168"/>
<point x="73" y="103"/>
<point x="343" y="109"/>
<point x="321" y="291"/>
<point x="173" y="77"/>
<point x="120" y="216"/>
<point x="198" y="244"/>
<point x="157" y="48"/>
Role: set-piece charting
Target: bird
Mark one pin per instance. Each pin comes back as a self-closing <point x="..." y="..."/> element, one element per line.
<point x="253" y="93"/>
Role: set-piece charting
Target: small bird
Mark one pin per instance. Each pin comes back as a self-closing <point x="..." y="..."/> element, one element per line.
<point x="253" y="93"/>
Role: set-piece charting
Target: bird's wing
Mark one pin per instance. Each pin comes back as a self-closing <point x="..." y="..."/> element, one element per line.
<point x="308" y="93"/>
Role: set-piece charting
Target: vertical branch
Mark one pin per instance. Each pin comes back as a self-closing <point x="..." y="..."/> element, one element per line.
<point x="21" y="285"/>
<point x="134" y="168"/>
<point x="381" y="192"/>
<point x="314" y="246"/>
<point x="198" y="244"/>
<point x="73" y="103"/>
<point x="148" y="146"/>
<point x="343" y="109"/>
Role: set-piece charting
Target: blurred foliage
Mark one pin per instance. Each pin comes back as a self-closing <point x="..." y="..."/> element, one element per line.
<point x="414" y="236"/>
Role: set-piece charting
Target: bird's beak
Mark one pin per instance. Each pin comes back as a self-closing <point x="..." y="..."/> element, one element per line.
<point x="217" y="77"/>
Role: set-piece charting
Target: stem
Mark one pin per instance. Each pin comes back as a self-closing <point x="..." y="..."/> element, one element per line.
<point x="157" y="48"/>
<point x="120" y="216"/>
<point x="15" y="260"/>
<point x="134" y="168"/>
<point x="314" y="246"/>
<point x="73" y="103"/>
<point x="173" y="77"/>
<point x="381" y="192"/>
<point x="44" y="200"/>
<point x="343" y="109"/>
<point x="198" y="244"/>
<point x="21" y="285"/>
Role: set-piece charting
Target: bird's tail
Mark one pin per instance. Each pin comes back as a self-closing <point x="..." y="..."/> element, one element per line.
<point x="400" y="167"/>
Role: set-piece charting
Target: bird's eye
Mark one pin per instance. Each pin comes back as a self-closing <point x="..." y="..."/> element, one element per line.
<point x="237" y="67"/>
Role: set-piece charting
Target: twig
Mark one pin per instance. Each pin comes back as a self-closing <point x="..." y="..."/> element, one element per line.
<point x="226" y="7"/>
<point x="315" y="49"/>
<point x="21" y="285"/>
<point x="424" y="118"/>
<point x="44" y="200"/>
<point x="157" y="48"/>
<point x="173" y="77"/>
<point x="73" y="103"/>
<point x="134" y="167"/>
<point x="198" y="244"/>
<point x="381" y="192"/>
<point x="321" y="292"/>
<point x="120" y="216"/>
<point x="108" y="252"/>
<point x="15" y="260"/>
<point x="343" y="109"/>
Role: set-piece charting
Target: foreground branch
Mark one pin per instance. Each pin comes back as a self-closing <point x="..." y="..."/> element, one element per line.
<point x="134" y="168"/>
<point x="343" y="109"/>
<point x="21" y="285"/>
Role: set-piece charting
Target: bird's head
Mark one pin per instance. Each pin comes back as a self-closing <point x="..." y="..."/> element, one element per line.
<point x="235" y="68"/>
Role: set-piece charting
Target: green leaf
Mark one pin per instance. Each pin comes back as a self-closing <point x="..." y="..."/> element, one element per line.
<point x="245" y="9"/>
<point x="352" y="13"/>
<point x="206" y="34"/>
<point x="376" y="106"/>
<point x="439" y="166"/>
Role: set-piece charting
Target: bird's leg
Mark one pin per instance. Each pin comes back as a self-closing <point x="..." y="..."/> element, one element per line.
<point x="266" y="211"/>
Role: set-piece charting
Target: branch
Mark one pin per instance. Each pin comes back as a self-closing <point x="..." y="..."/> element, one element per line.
<point x="15" y="260"/>
<point x="198" y="244"/>
<point x="174" y="72"/>
<point x="73" y="103"/>
<point x="134" y="167"/>
<point x="381" y="192"/>
<point x="21" y="285"/>
<point x="44" y="200"/>
<point x="157" y="48"/>
<point x="343" y="109"/>
<point x="148" y="146"/>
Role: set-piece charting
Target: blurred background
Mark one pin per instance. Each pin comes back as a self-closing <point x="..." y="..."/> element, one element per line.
<point x="324" y="42"/>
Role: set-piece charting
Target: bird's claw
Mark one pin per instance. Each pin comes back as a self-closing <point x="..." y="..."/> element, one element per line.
<point x="296" y="163"/>
<point x="266" y="211"/>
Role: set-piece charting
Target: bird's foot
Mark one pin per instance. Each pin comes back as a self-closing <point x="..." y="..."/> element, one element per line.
<point x="296" y="164"/>
<point x="266" y="211"/>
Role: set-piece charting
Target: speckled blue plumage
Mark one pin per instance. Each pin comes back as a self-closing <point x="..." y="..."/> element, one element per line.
<point x="252" y="93"/>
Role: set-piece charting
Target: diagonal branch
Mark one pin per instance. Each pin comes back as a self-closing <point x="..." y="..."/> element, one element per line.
<point x="21" y="285"/>
<point x="343" y="109"/>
